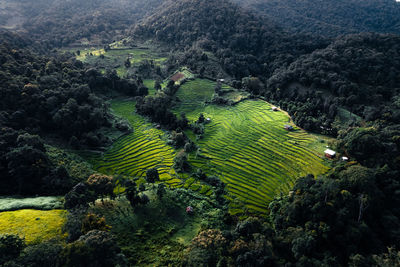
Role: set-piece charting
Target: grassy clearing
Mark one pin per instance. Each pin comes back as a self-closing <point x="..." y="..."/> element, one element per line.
<point x="34" y="225"/>
<point x="247" y="146"/>
<point x="115" y="58"/>
<point x="150" y="85"/>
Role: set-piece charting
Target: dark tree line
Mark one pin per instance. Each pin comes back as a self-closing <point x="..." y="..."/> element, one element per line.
<point x="157" y="108"/>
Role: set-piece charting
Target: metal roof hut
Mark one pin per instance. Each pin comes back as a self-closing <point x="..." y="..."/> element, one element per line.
<point x="274" y="108"/>
<point x="330" y="153"/>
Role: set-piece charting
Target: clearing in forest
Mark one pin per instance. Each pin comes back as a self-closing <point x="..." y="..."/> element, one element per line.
<point x="34" y="225"/>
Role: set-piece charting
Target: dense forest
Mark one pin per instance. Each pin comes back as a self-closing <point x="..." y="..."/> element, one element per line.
<point x="60" y="23"/>
<point x="329" y="18"/>
<point x="334" y="72"/>
<point x="53" y="97"/>
<point x="358" y="72"/>
<point x="243" y="44"/>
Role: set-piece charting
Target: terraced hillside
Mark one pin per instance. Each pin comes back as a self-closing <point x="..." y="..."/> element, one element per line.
<point x="135" y="153"/>
<point x="248" y="147"/>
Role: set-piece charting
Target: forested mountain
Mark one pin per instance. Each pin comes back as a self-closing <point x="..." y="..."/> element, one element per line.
<point x="330" y="18"/>
<point x="61" y="23"/>
<point x="359" y="71"/>
<point x="244" y="43"/>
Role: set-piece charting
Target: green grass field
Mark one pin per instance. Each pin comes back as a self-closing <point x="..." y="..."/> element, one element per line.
<point x="247" y="146"/>
<point x="34" y="225"/>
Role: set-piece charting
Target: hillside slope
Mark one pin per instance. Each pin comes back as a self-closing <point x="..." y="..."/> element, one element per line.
<point x="331" y="18"/>
<point x="360" y="70"/>
<point x="244" y="43"/>
<point x="60" y="23"/>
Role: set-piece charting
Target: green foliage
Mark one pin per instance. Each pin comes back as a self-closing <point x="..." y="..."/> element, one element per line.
<point x="10" y="247"/>
<point x="43" y="254"/>
<point x="78" y="169"/>
<point x="321" y="215"/>
<point x="94" y="222"/>
<point x="157" y="233"/>
<point x="255" y="52"/>
<point x="96" y="248"/>
<point x="181" y="163"/>
<point x="80" y="195"/>
<point x="152" y="175"/>
<point x="101" y="185"/>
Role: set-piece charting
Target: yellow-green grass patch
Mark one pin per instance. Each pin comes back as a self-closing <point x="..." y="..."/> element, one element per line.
<point x="34" y="226"/>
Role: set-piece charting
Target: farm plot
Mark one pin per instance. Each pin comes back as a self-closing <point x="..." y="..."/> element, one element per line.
<point x="248" y="148"/>
<point x="133" y="154"/>
<point x="145" y="148"/>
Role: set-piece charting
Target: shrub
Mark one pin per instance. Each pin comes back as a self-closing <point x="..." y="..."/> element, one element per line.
<point x="10" y="247"/>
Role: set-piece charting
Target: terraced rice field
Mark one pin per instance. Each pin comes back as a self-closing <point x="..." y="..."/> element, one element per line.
<point x="245" y="145"/>
<point x="145" y="148"/>
<point x="133" y="154"/>
<point x="248" y="148"/>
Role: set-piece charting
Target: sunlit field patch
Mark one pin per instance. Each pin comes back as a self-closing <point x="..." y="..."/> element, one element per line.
<point x="34" y="226"/>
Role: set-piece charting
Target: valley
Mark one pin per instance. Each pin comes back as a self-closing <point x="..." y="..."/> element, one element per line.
<point x="199" y="133"/>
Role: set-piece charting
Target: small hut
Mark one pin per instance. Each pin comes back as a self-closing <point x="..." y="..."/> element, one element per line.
<point x="274" y="109"/>
<point x="345" y="159"/>
<point x="330" y="153"/>
<point x="288" y="127"/>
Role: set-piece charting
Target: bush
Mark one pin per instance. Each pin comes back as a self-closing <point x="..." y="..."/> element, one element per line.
<point x="10" y="247"/>
<point x="40" y="255"/>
